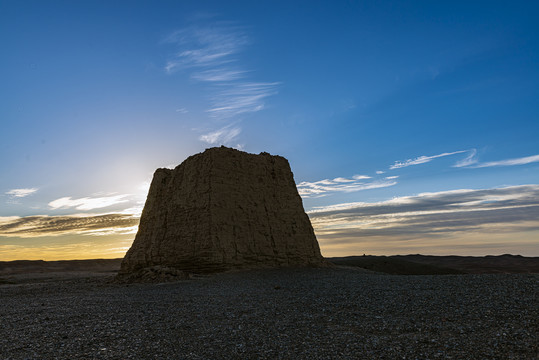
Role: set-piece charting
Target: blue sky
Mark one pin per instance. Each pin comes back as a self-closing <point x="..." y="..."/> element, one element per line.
<point x="411" y="127"/>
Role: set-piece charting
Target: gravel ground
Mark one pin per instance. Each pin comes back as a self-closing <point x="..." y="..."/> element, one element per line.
<point x="334" y="313"/>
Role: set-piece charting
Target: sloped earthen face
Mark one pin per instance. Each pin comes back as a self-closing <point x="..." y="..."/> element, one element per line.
<point x="224" y="209"/>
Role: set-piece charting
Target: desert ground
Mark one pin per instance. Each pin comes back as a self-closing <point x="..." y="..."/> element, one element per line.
<point x="75" y="310"/>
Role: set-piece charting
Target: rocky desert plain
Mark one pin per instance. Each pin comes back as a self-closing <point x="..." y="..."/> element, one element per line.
<point x="77" y="310"/>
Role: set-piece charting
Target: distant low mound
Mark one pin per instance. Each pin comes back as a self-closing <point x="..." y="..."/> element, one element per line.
<point x="442" y="265"/>
<point x="508" y="264"/>
<point x="397" y="265"/>
<point x="40" y="266"/>
<point x="392" y="265"/>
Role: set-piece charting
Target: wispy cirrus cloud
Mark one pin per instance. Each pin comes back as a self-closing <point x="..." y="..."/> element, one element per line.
<point x="422" y="159"/>
<point x="211" y="55"/>
<point x="510" y="162"/>
<point x="41" y="225"/>
<point x="20" y="193"/>
<point x="219" y="75"/>
<point x="88" y="203"/>
<point x="325" y="187"/>
<point x="241" y="98"/>
<point x="224" y="135"/>
<point x="470" y="159"/>
<point x="205" y="46"/>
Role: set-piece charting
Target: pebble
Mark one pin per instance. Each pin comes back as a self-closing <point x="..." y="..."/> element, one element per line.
<point x="335" y="313"/>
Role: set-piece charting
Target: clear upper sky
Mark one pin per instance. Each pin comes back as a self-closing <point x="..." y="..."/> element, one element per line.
<point x="411" y="126"/>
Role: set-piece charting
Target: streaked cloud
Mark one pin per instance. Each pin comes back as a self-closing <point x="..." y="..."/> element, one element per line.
<point x="241" y="98"/>
<point x="8" y="219"/>
<point x="342" y="180"/>
<point x="471" y="161"/>
<point x="219" y="75"/>
<point x="326" y="186"/>
<point x="468" y="160"/>
<point x="41" y="225"/>
<point x="20" y="193"/>
<point x="422" y="159"/>
<point x="362" y="177"/>
<point x="210" y="55"/>
<point x="209" y="46"/>
<point x="88" y="203"/>
<point x="222" y="136"/>
<point x="432" y="215"/>
<point x="510" y="162"/>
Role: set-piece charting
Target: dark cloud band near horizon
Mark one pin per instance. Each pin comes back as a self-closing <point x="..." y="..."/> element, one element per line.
<point x="40" y="225"/>
<point x="454" y="214"/>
